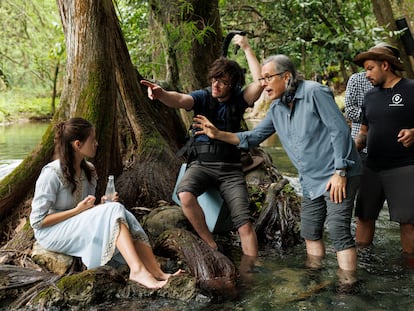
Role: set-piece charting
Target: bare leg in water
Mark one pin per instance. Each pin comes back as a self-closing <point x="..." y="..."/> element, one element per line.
<point x="138" y="270"/>
<point x="150" y="262"/>
<point x="315" y="253"/>
<point x="246" y="269"/>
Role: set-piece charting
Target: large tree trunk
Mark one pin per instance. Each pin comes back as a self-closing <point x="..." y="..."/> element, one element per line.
<point x="193" y="61"/>
<point x="188" y="56"/>
<point x="89" y="89"/>
<point x="115" y="100"/>
<point x="385" y="17"/>
<point x="137" y="138"/>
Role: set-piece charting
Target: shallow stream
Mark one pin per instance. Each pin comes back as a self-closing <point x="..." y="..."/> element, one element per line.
<point x="279" y="281"/>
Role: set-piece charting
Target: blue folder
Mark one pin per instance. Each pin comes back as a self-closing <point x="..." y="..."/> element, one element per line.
<point x="212" y="204"/>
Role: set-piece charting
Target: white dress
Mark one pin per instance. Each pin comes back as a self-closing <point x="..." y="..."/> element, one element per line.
<point x="91" y="234"/>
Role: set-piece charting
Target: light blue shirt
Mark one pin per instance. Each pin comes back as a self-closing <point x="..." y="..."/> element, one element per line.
<point x="314" y="134"/>
<point x="53" y="193"/>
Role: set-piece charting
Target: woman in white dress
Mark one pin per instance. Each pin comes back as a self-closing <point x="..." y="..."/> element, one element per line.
<point x="65" y="218"/>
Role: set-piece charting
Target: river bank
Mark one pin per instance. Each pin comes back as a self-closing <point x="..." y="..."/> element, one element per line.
<point x="25" y="105"/>
<point x="385" y="278"/>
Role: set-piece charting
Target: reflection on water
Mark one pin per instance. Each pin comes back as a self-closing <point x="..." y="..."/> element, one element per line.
<point x="16" y="142"/>
<point x="280" y="281"/>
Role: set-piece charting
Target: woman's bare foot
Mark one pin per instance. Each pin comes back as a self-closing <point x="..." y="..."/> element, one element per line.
<point x="178" y="272"/>
<point x="165" y="276"/>
<point x="147" y="280"/>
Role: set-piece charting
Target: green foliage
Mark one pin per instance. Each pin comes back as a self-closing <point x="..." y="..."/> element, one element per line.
<point x="314" y="33"/>
<point x="149" y="52"/>
<point x="31" y="43"/>
<point x="133" y="17"/>
<point x="257" y="195"/>
<point x="288" y="190"/>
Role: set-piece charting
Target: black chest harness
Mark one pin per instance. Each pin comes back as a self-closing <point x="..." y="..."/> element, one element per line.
<point x="230" y="121"/>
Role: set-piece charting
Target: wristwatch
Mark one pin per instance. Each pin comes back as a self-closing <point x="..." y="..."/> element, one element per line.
<point x="341" y="172"/>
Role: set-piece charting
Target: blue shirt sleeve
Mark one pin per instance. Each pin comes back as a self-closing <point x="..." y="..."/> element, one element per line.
<point x="253" y="138"/>
<point x="338" y="129"/>
<point x="47" y="187"/>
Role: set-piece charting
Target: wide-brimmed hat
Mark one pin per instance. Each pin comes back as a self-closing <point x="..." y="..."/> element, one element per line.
<point x="381" y="51"/>
<point x="250" y="162"/>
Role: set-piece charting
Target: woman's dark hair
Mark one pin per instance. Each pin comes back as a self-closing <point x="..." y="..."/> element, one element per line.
<point x="222" y="66"/>
<point x="65" y="133"/>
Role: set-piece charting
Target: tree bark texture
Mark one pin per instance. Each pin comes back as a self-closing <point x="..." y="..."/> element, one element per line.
<point x="213" y="271"/>
<point x="89" y="89"/>
<point x="192" y="63"/>
<point x="102" y="85"/>
<point x="385" y="17"/>
<point x="109" y="94"/>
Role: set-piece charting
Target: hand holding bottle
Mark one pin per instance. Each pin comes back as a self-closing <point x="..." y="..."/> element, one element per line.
<point x="113" y="198"/>
<point x="110" y="193"/>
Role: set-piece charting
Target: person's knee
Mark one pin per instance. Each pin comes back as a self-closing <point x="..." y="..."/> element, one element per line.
<point x="114" y="207"/>
<point x="246" y="229"/>
<point x="340" y="234"/>
<point x="187" y="199"/>
<point x="364" y="234"/>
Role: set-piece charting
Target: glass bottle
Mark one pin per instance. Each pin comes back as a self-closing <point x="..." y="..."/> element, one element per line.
<point x="110" y="189"/>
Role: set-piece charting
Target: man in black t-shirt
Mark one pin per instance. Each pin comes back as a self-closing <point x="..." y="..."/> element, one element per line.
<point x="211" y="163"/>
<point x="388" y="133"/>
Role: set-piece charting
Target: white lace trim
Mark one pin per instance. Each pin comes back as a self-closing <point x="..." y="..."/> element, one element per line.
<point x="109" y="251"/>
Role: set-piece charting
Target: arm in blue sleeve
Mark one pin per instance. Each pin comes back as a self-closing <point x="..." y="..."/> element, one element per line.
<point x="47" y="187"/>
<point x="340" y="134"/>
<point x="253" y="138"/>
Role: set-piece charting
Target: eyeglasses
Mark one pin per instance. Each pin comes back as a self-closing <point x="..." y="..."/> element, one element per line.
<point x="270" y="78"/>
<point x="220" y="82"/>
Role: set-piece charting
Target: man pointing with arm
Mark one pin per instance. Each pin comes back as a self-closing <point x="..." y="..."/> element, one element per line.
<point x="317" y="139"/>
<point x="213" y="163"/>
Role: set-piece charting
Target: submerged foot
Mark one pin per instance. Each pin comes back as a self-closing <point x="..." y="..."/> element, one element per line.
<point x="348" y="288"/>
<point x="347" y="282"/>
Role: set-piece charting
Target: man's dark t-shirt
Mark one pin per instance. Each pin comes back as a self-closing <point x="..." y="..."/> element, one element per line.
<point x="386" y="111"/>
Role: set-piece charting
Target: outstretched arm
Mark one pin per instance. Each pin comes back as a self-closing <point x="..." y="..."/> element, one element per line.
<point x="253" y="90"/>
<point x="204" y="126"/>
<point x="169" y="98"/>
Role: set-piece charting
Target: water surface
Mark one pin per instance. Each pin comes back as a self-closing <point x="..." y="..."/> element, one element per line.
<point x="16" y="142"/>
<point x="280" y="280"/>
